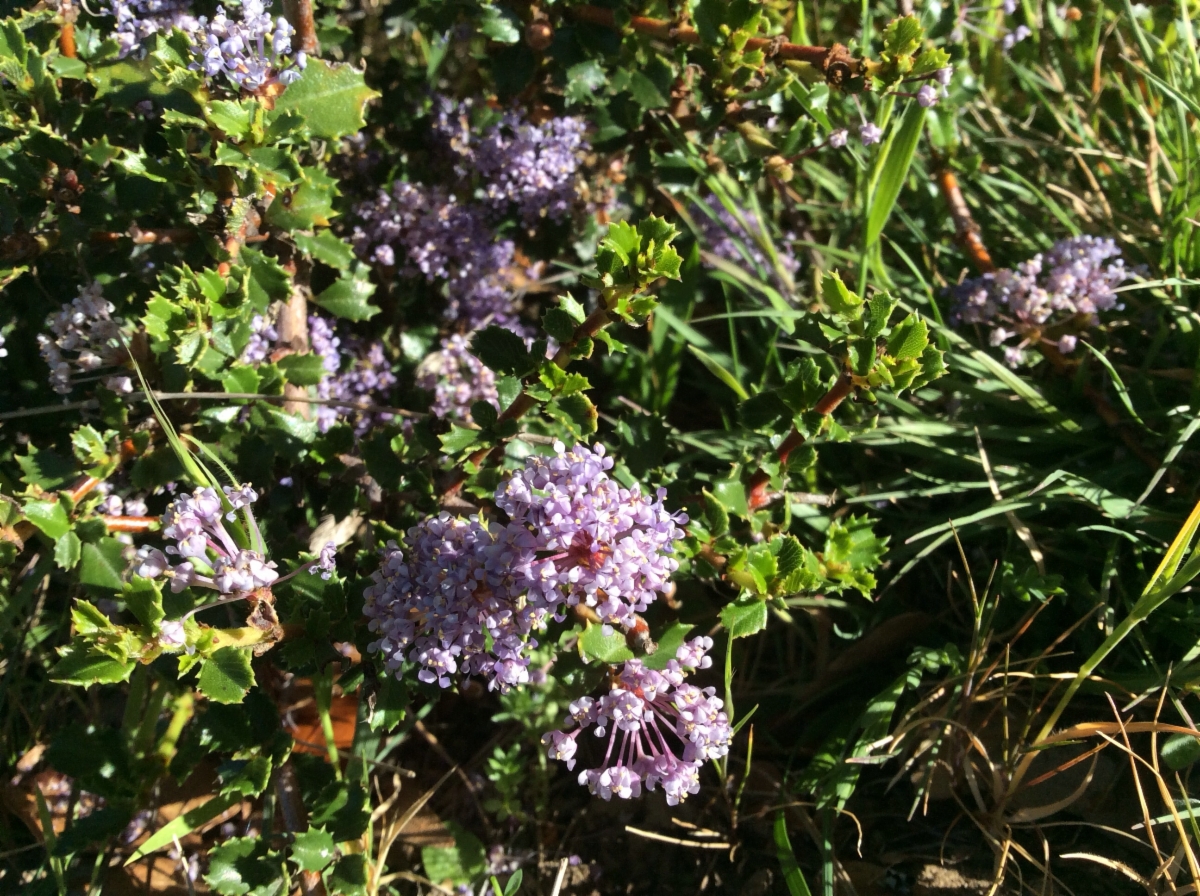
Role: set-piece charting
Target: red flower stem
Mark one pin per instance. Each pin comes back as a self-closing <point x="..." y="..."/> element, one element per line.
<point x="759" y="496"/>
<point x="134" y="524"/>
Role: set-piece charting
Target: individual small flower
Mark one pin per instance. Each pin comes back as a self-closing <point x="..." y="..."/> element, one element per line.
<point x="327" y="562"/>
<point x="927" y="96"/>
<point x="84" y="337"/>
<point x="1013" y="38"/>
<point x="838" y="138"/>
<point x="943" y="75"/>
<point x="662" y="729"/>
<point x="171" y="633"/>
<point x="869" y="133"/>
<point x="3" y="350"/>
<point x="1067" y="343"/>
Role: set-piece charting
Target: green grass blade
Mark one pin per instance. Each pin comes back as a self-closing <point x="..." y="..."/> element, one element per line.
<point x="787" y="859"/>
<point x="894" y="169"/>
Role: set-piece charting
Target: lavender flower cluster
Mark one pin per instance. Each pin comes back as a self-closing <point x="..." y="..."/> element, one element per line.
<point x="532" y="167"/>
<point x="1067" y="286"/>
<point x="139" y="20"/>
<point x="84" y="337"/>
<point x="251" y="52"/>
<point x="725" y="237"/>
<point x="662" y="729"/>
<point x="457" y="379"/>
<point x="465" y="595"/>
<point x="367" y="371"/>
<point x="441" y="239"/>
<point x="210" y="557"/>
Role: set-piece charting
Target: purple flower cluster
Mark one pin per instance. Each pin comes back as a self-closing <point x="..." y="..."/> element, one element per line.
<point x="662" y="729"/>
<point x="1069" y="284"/>
<point x="263" y="337"/>
<point x="251" y="53"/>
<point x="726" y="238"/>
<point x="430" y="234"/>
<point x="465" y="595"/>
<point x="367" y="370"/>
<point x="530" y="166"/>
<point x="457" y="379"/>
<point x="84" y="337"/>
<point x="210" y="556"/>
<point x="139" y="20"/>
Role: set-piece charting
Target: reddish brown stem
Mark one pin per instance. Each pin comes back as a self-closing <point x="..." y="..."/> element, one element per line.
<point x="66" y="34"/>
<point x="300" y="14"/>
<point x="822" y="57"/>
<point x="966" y="231"/>
<point x="133" y="524"/>
<point x="759" y="497"/>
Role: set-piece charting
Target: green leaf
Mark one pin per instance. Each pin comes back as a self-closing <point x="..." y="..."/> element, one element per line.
<point x="458" y="864"/>
<point x="348" y="296"/>
<point x="607" y="648"/>
<point x="502" y="350"/>
<point x="1180" y="750"/>
<point x="836" y="295"/>
<point x="49" y="516"/>
<point x="349" y="876"/>
<point x="744" y="617"/>
<point x="584" y="80"/>
<point x="732" y="495"/>
<point x="458" y="439"/>
<point x="226" y="676"/>
<point x="302" y="370"/>
<point x="45" y="468"/>
<point x="879" y="312"/>
<point x="268" y="281"/>
<point x="81" y="666"/>
<point x="714" y="367"/>
<point x="67" y="550"/>
<point x="331" y="97"/>
<point x="144" y="600"/>
<point x="578" y="408"/>
<point x="103" y="565"/>
<point x="246" y="866"/>
<point x="501" y="25"/>
<point x="307" y="206"/>
<point x="234" y="118"/>
<point x="670" y="641"/>
<point x="313" y="850"/>
<point x="787" y="859"/>
<point x="69" y="67"/>
<point x="908" y="338"/>
<point x="893" y="169"/>
<point x="902" y="36"/>
<point x="325" y="247"/>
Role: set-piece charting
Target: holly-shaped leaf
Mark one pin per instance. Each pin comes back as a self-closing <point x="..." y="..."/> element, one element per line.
<point x="332" y="98"/>
<point x="226" y="676"/>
